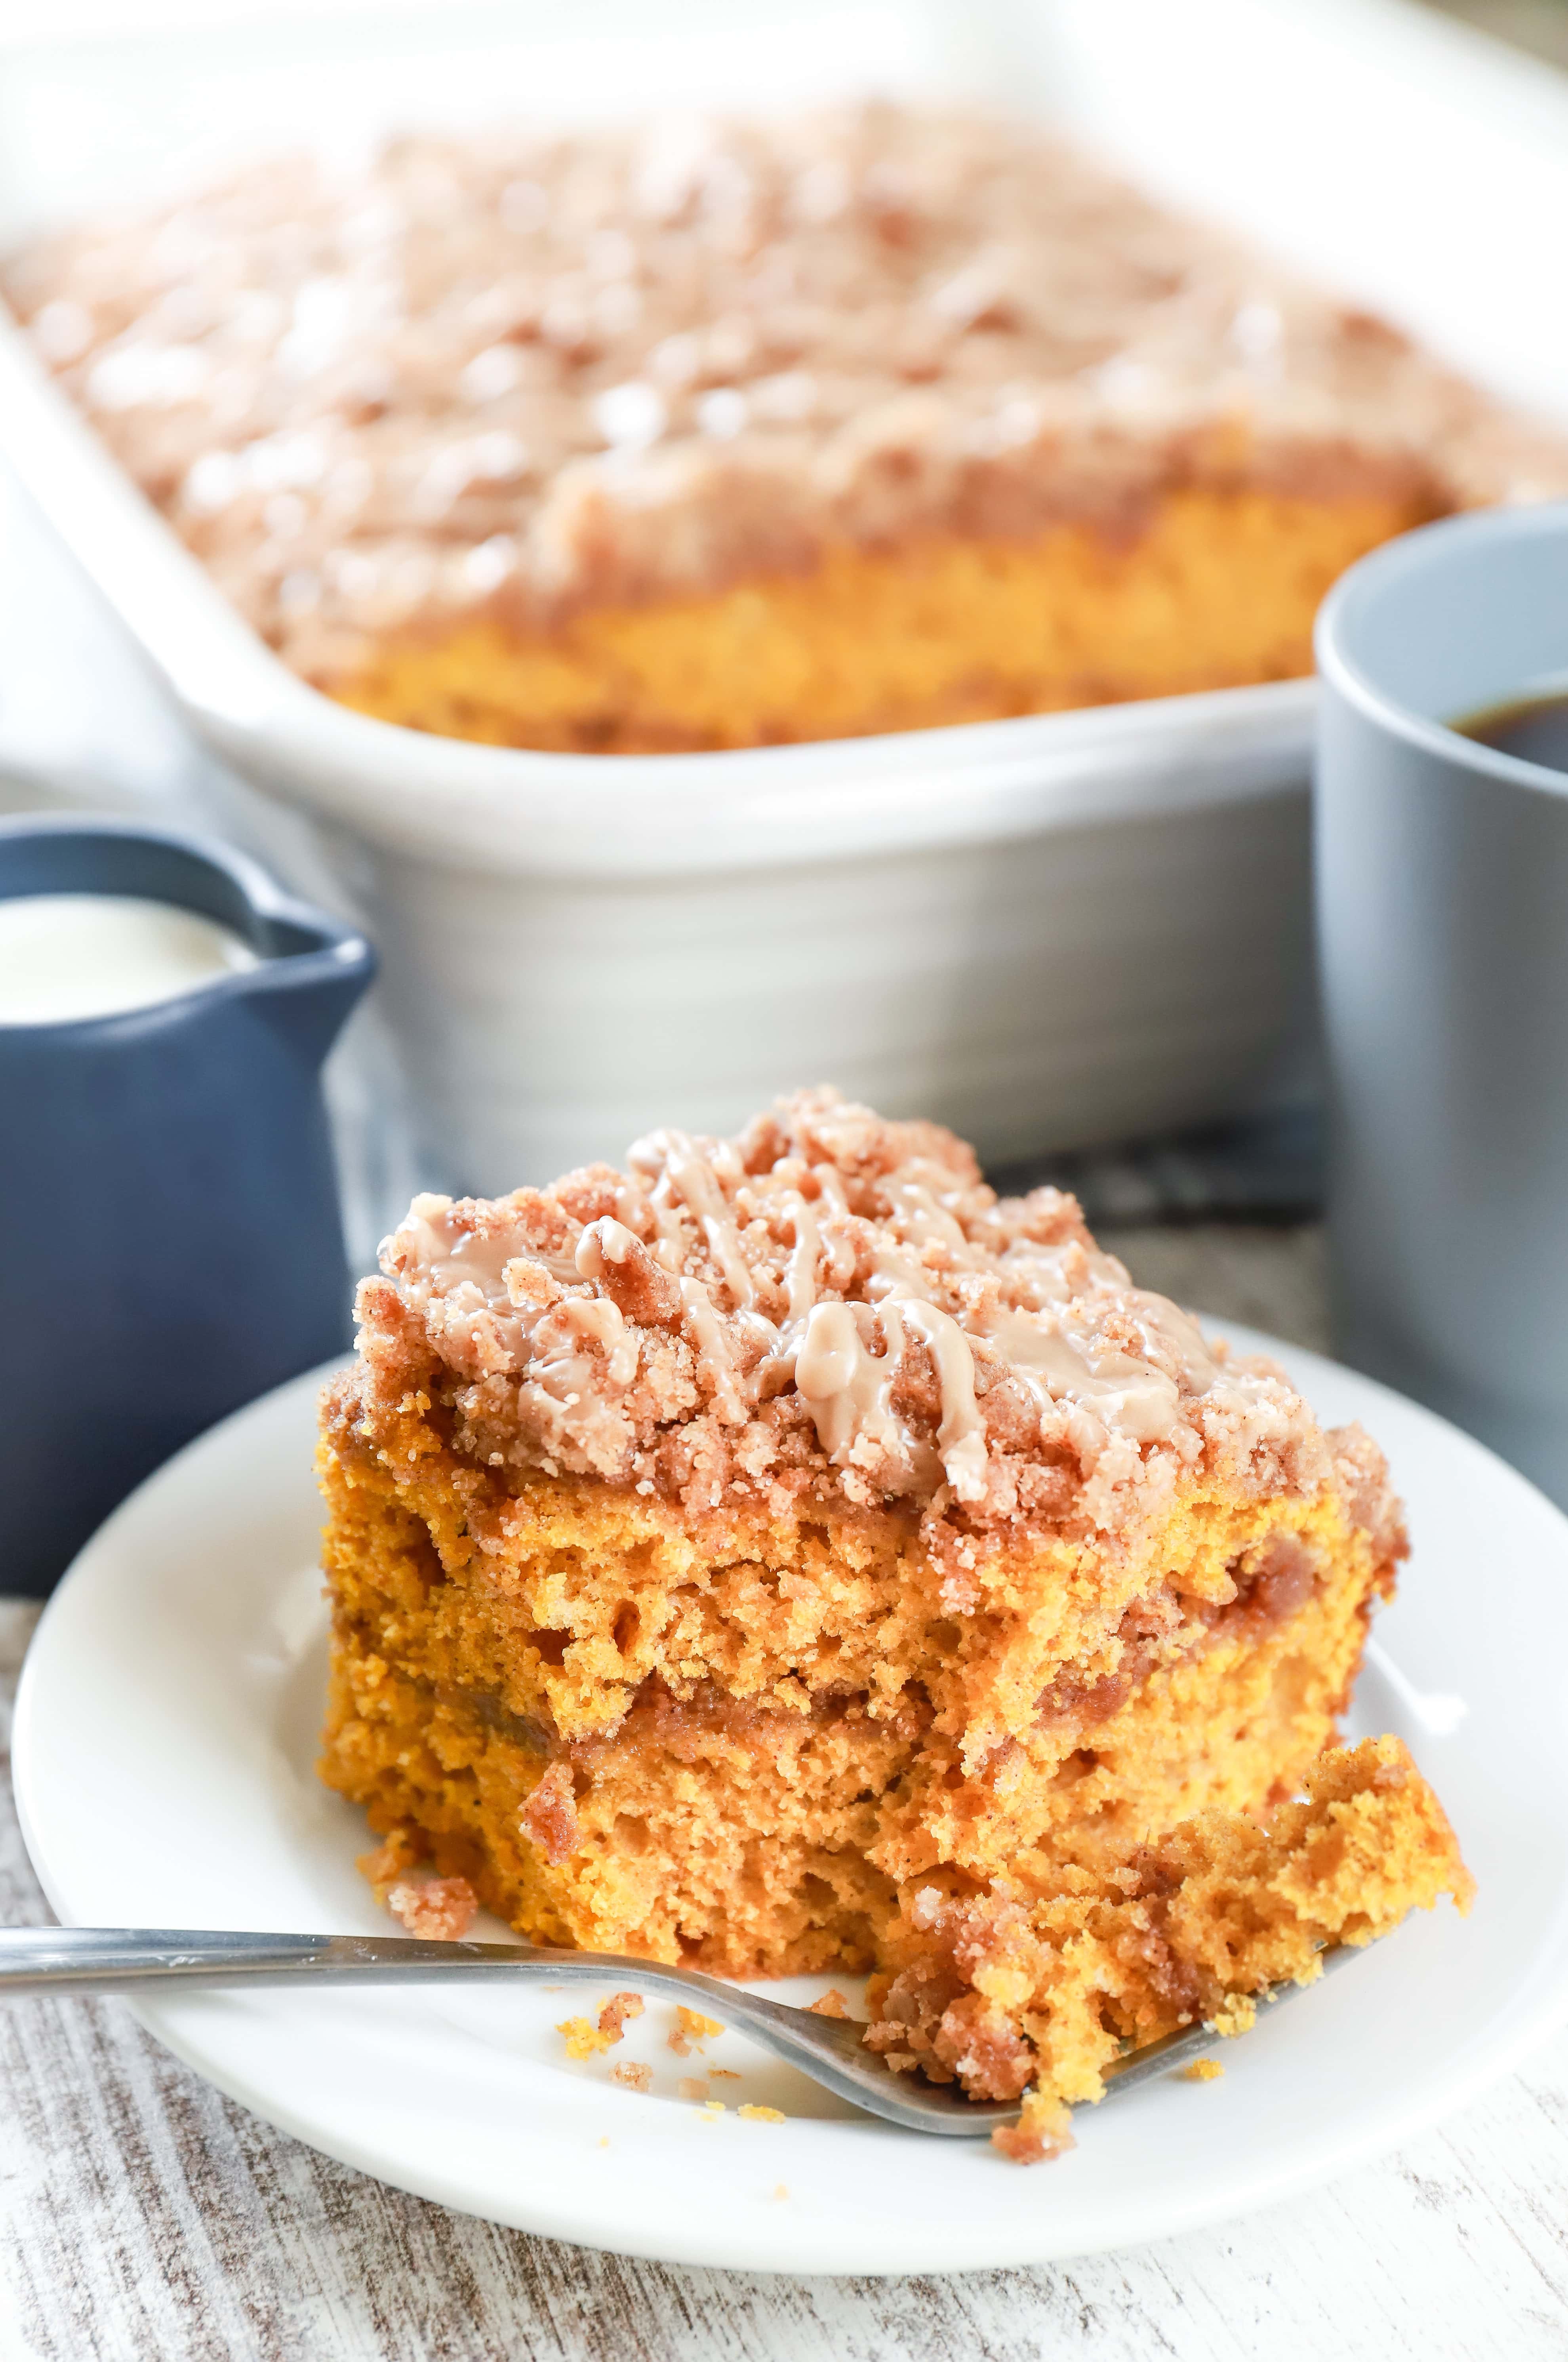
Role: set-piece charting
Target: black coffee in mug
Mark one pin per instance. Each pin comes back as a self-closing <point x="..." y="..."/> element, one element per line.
<point x="1535" y="728"/>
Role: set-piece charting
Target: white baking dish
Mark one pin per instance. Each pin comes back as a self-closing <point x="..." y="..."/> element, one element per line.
<point x="1052" y="931"/>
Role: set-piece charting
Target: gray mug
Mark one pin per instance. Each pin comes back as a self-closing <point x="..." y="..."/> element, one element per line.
<point x="1442" y="915"/>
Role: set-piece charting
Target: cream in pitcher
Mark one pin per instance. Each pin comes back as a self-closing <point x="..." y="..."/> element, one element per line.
<point x="65" y="957"/>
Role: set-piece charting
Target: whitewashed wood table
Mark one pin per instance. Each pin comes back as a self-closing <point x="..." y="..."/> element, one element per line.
<point x="143" y="2218"/>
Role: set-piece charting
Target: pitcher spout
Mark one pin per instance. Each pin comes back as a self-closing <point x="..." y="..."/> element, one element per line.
<point x="307" y="995"/>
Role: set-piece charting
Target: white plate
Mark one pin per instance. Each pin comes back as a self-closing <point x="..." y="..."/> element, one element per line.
<point x="164" y="1741"/>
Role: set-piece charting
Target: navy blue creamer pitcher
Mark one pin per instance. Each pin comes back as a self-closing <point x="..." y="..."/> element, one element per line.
<point x="171" y="1241"/>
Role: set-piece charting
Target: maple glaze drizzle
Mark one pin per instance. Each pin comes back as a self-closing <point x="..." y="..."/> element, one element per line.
<point x="843" y="1358"/>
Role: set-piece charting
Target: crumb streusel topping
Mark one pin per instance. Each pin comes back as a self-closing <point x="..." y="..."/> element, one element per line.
<point x="535" y="371"/>
<point x="830" y="1303"/>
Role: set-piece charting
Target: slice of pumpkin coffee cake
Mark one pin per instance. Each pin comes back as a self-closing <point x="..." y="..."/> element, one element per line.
<point x="728" y="1552"/>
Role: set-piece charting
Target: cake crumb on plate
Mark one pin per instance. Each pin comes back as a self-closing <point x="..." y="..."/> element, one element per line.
<point x="690" y="2027"/>
<point x="1042" y="2130"/>
<point x="440" y="1909"/>
<point x="616" y="2011"/>
<point x="584" y="2039"/>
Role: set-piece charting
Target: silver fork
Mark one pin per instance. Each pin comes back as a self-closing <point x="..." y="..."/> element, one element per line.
<point x="828" y="2049"/>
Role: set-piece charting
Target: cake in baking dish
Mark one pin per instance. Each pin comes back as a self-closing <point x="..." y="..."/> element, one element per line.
<point x="703" y="435"/>
<point x="785" y="1555"/>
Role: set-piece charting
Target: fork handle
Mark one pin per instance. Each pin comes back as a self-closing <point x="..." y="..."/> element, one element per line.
<point x="122" y="1960"/>
<point x="119" y="1960"/>
<point x="113" y="1960"/>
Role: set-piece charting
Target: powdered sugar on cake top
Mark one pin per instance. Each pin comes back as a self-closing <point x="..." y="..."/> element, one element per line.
<point x="830" y="1303"/>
